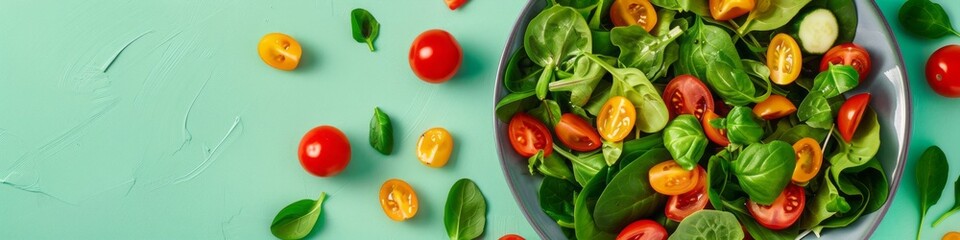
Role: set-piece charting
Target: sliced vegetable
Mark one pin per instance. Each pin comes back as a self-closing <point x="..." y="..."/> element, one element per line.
<point x="381" y="132"/>
<point x="643" y="230"/>
<point x="942" y="73"/>
<point x="809" y="159"/>
<point x="435" y="56"/>
<point x="280" y="51"/>
<point x="398" y="199"/>
<point x="434" y="147"/>
<point x="932" y="171"/>
<point x="324" y="151"/>
<point x="723" y="10"/>
<point x="925" y="18"/>
<point x="683" y="205"/>
<point x="511" y="237"/>
<point x="685" y="140"/>
<point x="669" y="178"/>
<point x="951" y="236"/>
<point x="365" y="27"/>
<point x="576" y="133"/>
<point x="465" y="212"/>
<point x="716" y="133"/>
<point x="783" y="212"/>
<point x="709" y="224"/>
<point x="849" y="54"/>
<point x="454" y="4"/>
<point x="784" y="59"/>
<point x="774" y="107"/>
<point x="817" y="30"/>
<point x="850" y="114"/>
<point x="296" y="221"/>
<point x="631" y="83"/>
<point x="633" y="12"/>
<point x="616" y="119"/>
<point x="528" y="135"/>
<point x="686" y="94"/>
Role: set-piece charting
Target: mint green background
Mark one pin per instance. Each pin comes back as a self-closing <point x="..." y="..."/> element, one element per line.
<point x="144" y="148"/>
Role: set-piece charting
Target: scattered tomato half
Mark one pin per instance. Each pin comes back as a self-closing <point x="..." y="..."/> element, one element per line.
<point x="784" y="211"/>
<point x="511" y="237"/>
<point x="809" y="159"/>
<point x="633" y="12"/>
<point x="616" y="119"/>
<point x="434" y="147"/>
<point x="279" y="51"/>
<point x="683" y="205"/>
<point x="951" y="236"/>
<point x="716" y="135"/>
<point x="528" y="135"/>
<point x="454" y="4"/>
<point x="643" y="230"/>
<point x="398" y="200"/>
<point x="774" y="107"/>
<point x="723" y="10"/>
<point x="324" y="151"/>
<point x="435" y="56"/>
<point x="686" y="94"/>
<point x="943" y="71"/>
<point x="576" y="133"/>
<point x="850" y="114"/>
<point x="849" y="54"/>
<point x="668" y="178"/>
<point x="784" y="59"/>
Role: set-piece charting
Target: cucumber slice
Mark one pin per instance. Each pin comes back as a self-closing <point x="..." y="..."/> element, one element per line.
<point x="817" y="31"/>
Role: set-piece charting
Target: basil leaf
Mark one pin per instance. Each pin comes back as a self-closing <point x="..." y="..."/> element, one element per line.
<point x="296" y="220"/>
<point x="521" y="74"/>
<point x="556" y="199"/>
<point x="708" y="224"/>
<point x="583" y="209"/>
<point x="652" y="115"/>
<point x="764" y="170"/>
<point x="685" y="140"/>
<point x="640" y="50"/>
<point x="932" y="170"/>
<point x="815" y="111"/>
<point x="925" y="19"/>
<point x="554" y="36"/>
<point x="465" y="212"/>
<point x="731" y="82"/>
<point x="586" y="76"/>
<point x="365" y="27"/>
<point x="837" y="80"/>
<point x="771" y="14"/>
<point x="629" y="196"/>
<point x="956" y="204"/>
<point x="702" y="45"/>
<point x="381" y="132"/>
<point x="514" y="103"/>
<point x="743" y="127"/>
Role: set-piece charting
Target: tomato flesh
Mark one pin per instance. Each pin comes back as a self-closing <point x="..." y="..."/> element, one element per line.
<point x="850" y="114"/>
<point x="280" y="51"/>
<point x="668" y="178"/>
<point x="723" y="10"/>
<point x="434" y="147"/>
<point x="849" y="54"/>
<point x="398" y="200"/>
<point x="511" y="237"/>
<point x="435" y="56"/>
<point x="633" y="12"/>
<point x="643" y="230"/>
<point x="683" y="205"/>
<point x="943" y="71"/>
<point x="528" y="135"/>
<point x="784" y="59"/>
<point x="686" y="94"/>
<point x="324" y="151"/>
<point x="616" y="119"/>
<point x="576" y="133"/>
<point x="454" y="4"/>
<point x="718" y="136"/>
<point x="774" y="107"/>
<point x="951" y="236"/>
<point x="809" y="159"/>
<point x="784" y="211"/>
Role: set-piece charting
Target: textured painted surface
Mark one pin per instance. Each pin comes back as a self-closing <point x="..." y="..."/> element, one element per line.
<point x="156" y="119"/>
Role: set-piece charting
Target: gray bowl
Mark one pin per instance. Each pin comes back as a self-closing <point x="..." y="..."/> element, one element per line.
<point x="887" y="83"/>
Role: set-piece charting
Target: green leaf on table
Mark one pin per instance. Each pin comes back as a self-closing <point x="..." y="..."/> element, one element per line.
<point x="956" y="203"/>
<point x="465" y="213"/>
<point x="295" y="221"/>
<point x="381" y="132"/>
<point x="365" y="27"/>
<point x="931" y="171"/>
<point x="925" y="19"/>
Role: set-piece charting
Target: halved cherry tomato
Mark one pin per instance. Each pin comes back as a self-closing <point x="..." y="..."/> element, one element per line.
<point x="528" y="135"/>
<point x="434" y="147"/>
<point x="774" y="107"/>
<point x="324" y="151"/>
<point x="809" y="159"/>
<point x="783" y="59"/>
<point x="850" y="113"/>
<point x="616" y="119"/>
<point x="511" y="237"/>
<point x="279" y="51"/>
<point x="943" y="71"/>
<point x="643" y="230"/>
<point x="686" y="94"/>
<point x="398" y="200"/>
<point x="668" y="178"/>
<point x="849" y="54"/>
<point x="683" y="205"/>
<point x="723" y="10"/>
<point x="576" y="133"/>
<point x="633" y="12"/>
<point x="951" y="236"/>
<point x="454" y="4"/>
<point x="718" y="136"/>
<point x="783" y="212"/>
<point x="435" y="56"/>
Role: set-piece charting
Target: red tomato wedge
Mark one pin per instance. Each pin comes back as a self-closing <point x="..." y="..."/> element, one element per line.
<point x="850" y="114"/>
<point x="576" y="133"/>
<point x="849" y="54"/>
<point x="683" y="205"/>
<point x="643" y="230"/>
<point x="784" y="211"/>
<point x="528" y="135"/>
<point x="686" y="94"/>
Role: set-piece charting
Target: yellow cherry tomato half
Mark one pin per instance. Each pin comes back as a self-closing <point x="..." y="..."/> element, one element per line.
<point x="774" y="107"/>
<point x="398" y="200"/>
<point x="951" y="236"/>
<point x="668" y="178"/>
<point x="434" y="147"/>
<point x="280" y="51"/>
<point x="616" y="119"/>
<point x="783" y="59"/>
<point x="633" y="12"/>
<point x="723" y="10"/>
<point x="809" y="159"/>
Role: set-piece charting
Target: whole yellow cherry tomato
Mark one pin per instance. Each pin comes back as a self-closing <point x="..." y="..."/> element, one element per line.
<point x="398" y="200"/>
<point x="783" y="59"/>
<point x="616" y="119"/>
<point x="280" y="51"/>
<point x="434" y="147"/>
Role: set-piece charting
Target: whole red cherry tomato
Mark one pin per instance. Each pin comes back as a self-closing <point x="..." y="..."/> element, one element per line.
<point x="435" y="56"/>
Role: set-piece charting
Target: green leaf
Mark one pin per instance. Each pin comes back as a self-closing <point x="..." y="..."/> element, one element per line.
<point x="698" y="7"/>
<point x="548" y="113"/>
<point x="725" y="76"/>
<point x="931" y="171"/>
<point x="640" y="50"/>
<point x="837" y="80"/>
<point x="764" y="170"/>
<point x="365" y="27"/>
<point x="652" y="115"/>
<point x="465" y="212"/>
<point x="554" y="36"/>
<point x="826" y="202"/>
<point x="685" y="140"/>
<point x="586" y="76"/>
<point x="861" y="149"/>
<point x="815" y="111"/>
<point x="956" y="203"/>
<point x="702" y="45"/>
<point x="551" y="166"/>
<point x="295" y="221"/>
<point x="709" y="224"/>
<point x="846" y="14"/>
<point x="521" y="74"/>
<point x="771" y="14"/>
<point x="743" y="127"/>
<point x="514" y="103"/>
<point x="557" y="199"/>
<point x="629" y="196"/>
<point x="925" y="19"/>
<point x="611" y="151"/>
<point x="381" y="132"/>
<point x="585" y="166"/>
<point x="583" y="209"/>
<point x="584" y="7"/>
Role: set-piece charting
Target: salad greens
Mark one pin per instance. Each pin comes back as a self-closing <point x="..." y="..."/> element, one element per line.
<point x="709" y="224"/>
<point x="465" y="213"/>
<point x="555" y="36"/>
<point x="932" y="171"/>
<point x="381" y="132"/>
<point x="365" y="27"/>
<point x="685" y="140"/>
<point x="764" y="169"/>
<point x="295" y="221"/>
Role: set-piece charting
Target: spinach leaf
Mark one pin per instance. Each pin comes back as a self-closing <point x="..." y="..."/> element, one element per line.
<point x="584" y="7"/>
<point x="365" y="27"/>
<point x="296" y="220"/>
<point x="837" y="80"/>
<point x="685" y="140"/>
<point x="725" y="76"/>
<point x="702" y="45"/>
<point x="585" y="166"/>
<point x="556" y="199"/>
<point x="611" y="151"/>
<point x="846" y="13"/>
<point x="743" y="127"/>
<point x="925" y="19"/>
<point x="521" y="74"/>
<point x="698" y="7"/>
<point x="631" y="83"/>
<point x="465" y="212"/>
<point x="600" y="14"/>
<point x="956" y="203"/>
<point x="551" y="166"/>
<point x="640" y="50"/>
<point x="584" y="206"/>
<point x="548" y="113"/>
<point x="764" y="170"/>
<point x="586" y="76"/>
<point x="865" y="188"/>
<point x="554" y="36"/>
<point x="771" y="14"/>
<point x="815" y="111"/>
<point x="709" y="224"/>
<point x="629" y="196"/>
<point x="932" y="170"/>
<point x="601" y="43"/>
<point x="514" y="103"/>
<point x="381" y="132"/>
<point x="860" y="149"/>
<point x="826" y="202"/>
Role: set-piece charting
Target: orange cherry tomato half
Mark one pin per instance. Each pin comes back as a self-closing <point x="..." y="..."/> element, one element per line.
<point x="718" y="136"/>
<point x="435" y="56"/>
<point x="850" y="114"/>
<point x="511" y="237"/>
<point x="576" y="133"/>
<point x="398" y="200"/>
<point x="784" y="59"/>
<point x="784" y="211"/>
<point x="454" y="4"/>
<point x="774" y="107"/>
<point x="849" y="54"/>
<point x="633" y="12"/>
<point x="683" y="205"/>
<point x="279" y="51"/>
<point x="434" y="147"/>
<point x="528" y="135"/>
<point x="951" y="236"/>
<point x="616" y="119"/>
<point x="686" y="94"/>
<point x="324" y="151"/>
<point x="809" y="159"/>
<point x="668" y="178"/>
<point x="723" y="10"/>
<point x="643" y="230"/>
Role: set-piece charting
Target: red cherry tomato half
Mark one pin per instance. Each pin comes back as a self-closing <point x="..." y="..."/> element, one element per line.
<point x="784" y="211"/>
<point x="528" y="135"/>
<point x="943" y="71"/>
<point x="683" y="205"/>
<point x="850" y="113"/>
<point x="324" y="151"/>
<point x="435" y="56"/>
<point x="454" y="4"/>
<point x="686" y="94"/>
<point x="576" y="133"/>
<point x="716" y="135"/>
<point x="643" y="230"/>
<point x="849" y="54"/>
<point x="512" y="237"/>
